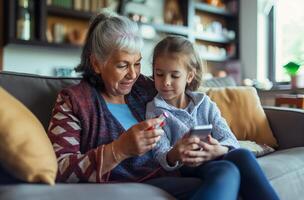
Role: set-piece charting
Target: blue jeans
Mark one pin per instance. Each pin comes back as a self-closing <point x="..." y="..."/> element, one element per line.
<point x="236" y="173"/>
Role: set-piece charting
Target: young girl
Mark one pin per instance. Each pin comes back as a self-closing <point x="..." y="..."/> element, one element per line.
<point x="224" y="169"/>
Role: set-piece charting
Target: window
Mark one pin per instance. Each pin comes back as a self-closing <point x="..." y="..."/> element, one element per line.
<point x="287" y="32"/>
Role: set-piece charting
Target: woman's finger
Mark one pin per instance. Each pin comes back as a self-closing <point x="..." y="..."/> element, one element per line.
<point x="145" y="125"/>
<point x="151" y="141"/>
<point x="153" y="133"/>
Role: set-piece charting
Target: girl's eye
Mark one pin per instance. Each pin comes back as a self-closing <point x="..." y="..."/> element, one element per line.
<point x="175" y="76"/>
<point x="158" y="74"/>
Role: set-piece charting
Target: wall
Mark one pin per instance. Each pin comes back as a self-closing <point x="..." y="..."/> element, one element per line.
<point x="43" y="61"/>
<point x="248" y="38"/>
<point x="1" y="34"/>
<point x="254" y="38"/>
<point x="38" y="60"/>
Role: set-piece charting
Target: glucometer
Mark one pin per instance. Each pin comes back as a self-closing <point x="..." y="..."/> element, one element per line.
<point x="162" y="117"/>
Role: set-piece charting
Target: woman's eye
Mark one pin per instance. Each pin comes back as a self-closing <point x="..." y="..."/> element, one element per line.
<point x="122" y="65"/>
<point x="158" y="74"/>
<point x="137" y="64"/>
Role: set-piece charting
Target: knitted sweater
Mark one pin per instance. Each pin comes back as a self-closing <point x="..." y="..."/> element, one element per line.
<point x="81" y="125"/>
<point x="200" y="111"/>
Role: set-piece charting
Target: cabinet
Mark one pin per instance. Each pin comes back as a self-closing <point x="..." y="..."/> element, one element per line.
<point x="215" y="30"/>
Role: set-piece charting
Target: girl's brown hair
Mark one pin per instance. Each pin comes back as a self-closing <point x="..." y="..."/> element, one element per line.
<point x="183" y="48"/>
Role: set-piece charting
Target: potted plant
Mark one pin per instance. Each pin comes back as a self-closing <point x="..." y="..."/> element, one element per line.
<point x="292" y="68"/>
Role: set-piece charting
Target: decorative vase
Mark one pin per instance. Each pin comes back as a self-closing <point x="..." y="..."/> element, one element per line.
<point x="293" y="81"/>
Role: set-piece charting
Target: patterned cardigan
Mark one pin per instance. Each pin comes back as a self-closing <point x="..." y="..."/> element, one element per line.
<point x="80" y="126"/>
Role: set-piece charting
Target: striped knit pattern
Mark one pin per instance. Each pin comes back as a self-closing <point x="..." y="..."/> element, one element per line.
<point x="80" y="126"/>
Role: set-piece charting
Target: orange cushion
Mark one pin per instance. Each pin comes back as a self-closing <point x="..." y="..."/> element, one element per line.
<point x="242" y="109"/>
<point x="25" y="150"/>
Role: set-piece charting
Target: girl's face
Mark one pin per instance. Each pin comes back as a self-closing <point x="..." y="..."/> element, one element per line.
<point x="171" y="77"/>
<point x="119" y="72"/>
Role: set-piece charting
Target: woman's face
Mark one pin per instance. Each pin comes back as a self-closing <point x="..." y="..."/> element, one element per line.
<point x="119" y="72"/>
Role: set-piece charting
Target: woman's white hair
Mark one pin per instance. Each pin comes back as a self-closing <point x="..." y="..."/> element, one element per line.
<point x="115" y="32"/>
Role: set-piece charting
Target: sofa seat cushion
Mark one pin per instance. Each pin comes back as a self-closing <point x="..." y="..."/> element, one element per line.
<point x="285" y="170"/>
<point x="83" y="191"/>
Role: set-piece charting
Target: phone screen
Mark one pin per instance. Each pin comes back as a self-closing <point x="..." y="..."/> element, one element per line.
<point x="201" y="131"/>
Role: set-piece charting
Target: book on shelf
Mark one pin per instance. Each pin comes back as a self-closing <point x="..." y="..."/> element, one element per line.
<point x="77" y="5"/>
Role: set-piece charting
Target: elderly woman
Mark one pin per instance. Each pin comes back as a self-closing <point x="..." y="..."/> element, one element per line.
<point x="98" y="127"/>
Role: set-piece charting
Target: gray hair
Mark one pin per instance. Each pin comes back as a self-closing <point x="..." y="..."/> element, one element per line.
<point x="107" y="32"/>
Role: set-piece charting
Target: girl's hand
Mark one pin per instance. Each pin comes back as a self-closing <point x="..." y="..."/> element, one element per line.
<point x="185" y="144"/>
<point x="137" y="140"/>
<point x="211" y="150"/>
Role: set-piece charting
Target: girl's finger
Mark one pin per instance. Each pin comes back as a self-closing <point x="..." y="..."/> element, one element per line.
<point x="211" y="140"/>
<point x="193" y="139"/>
<point x="196" y="153"/>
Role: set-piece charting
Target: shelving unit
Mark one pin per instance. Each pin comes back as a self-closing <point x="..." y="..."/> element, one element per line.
<point x="218" y="35"/>
<point x="213" y="10"/>
<point x="211" y="17"/>
<point x="45" y="17"/>
<point x="65" y="12"/>
<point x="170" y="29"/>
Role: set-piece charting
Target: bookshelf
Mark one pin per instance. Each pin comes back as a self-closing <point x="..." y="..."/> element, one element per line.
<point x="215" y="30"/>
<point x="51" y="24"/>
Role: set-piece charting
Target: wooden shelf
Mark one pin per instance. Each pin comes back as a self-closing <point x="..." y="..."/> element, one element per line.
<point x="213" y="10"/>
<point x="168" y="28"/>
<point x="47" y="15"/>
<point x="44" y="44"/>
<point x="213" y="38"/>
<point x="64" y="12"/>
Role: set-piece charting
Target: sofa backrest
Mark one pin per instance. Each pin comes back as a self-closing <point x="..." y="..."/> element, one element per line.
<point x="37" y="93"/>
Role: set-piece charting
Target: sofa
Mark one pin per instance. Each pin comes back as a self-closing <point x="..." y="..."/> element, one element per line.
<point x="284" y="168"/>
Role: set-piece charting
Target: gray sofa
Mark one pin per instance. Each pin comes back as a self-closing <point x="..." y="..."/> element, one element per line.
<point x="284" y="168"/>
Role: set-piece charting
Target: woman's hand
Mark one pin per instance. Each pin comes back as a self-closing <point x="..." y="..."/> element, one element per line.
<point x="137" y="140"/>
<point x="210" y="150"/>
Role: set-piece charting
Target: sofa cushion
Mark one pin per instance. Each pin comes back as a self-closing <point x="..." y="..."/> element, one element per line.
<point x="257" y="149"/>
<point x="126" y="191"/>
<point x="25" y="150"/>
<point x="285" y="170"/>
<point x="241" y="108"/>
<point x="37" y="93"/>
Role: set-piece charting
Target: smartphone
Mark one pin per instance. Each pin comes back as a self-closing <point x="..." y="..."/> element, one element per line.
<point x="201" y="131"/>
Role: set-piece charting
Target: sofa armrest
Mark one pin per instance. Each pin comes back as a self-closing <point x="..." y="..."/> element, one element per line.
<point x="287" y="125"/>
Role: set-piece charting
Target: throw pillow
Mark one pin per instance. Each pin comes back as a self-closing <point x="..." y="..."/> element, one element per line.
<point x="257" y="149"/>
<point x="242" y="109"/>
<point x="25" y="150"/>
